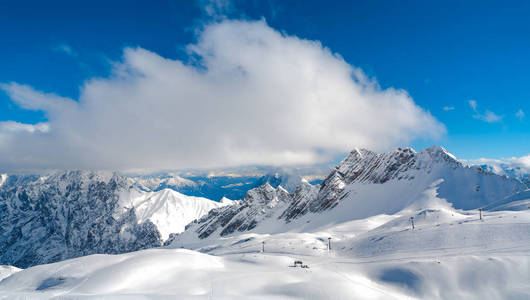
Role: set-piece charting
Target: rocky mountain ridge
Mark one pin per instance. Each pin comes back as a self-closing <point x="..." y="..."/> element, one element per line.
<point x="368" y="183"/>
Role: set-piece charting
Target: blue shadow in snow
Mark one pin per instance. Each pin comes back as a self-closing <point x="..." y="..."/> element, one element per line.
<point x="401" y="277"/>
<point x="50" y="282"/>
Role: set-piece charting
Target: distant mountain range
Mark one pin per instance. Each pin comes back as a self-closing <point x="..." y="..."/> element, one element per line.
<point x="229" y="183"/>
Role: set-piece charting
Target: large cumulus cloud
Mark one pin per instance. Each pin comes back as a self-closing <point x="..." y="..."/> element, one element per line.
<point x="248" y="95"/>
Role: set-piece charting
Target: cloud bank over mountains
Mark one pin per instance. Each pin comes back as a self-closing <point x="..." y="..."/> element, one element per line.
<point x="518" y="167"/>
<point x="249" y="95"/>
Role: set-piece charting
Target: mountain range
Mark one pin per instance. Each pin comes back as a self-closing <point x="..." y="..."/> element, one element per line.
<point x="364" y="184"/>
<point x="68" y="214"/>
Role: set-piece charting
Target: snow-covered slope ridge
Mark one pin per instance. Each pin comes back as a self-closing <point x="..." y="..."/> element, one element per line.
<point x="75" y="213"/>
<point x="364" y="184"/>
<point x="169" y="210"/>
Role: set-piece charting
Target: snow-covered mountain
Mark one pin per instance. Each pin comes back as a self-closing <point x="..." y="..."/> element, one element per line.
<point x="168" y="210"/>
<point x="364" y="184"/>
<point x="365" y="206"/>
<point x="405" y="175"/>
<point x="69" y="214"/>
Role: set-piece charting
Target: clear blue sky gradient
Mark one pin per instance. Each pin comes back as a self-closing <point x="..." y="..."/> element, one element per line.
<point x="442" y="53"/>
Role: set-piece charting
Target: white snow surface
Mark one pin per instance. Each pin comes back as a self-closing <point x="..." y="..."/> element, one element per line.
<point x="6" y="271"/>
<point x="451" y="254"/>
<point x="169" y="210"/>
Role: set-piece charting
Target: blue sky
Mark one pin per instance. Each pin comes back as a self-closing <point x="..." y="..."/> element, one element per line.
<point x="443" y="55"/>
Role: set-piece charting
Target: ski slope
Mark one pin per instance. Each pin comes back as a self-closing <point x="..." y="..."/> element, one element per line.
<point x="449" y="254"/>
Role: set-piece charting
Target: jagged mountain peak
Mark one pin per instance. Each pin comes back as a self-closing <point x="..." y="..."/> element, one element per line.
<point x="368" y="166"/>
<point x="64" y="177"/>
<point x="434" y="152"/>
<point x="266" y="194"/>
<point x="440" y="154"/>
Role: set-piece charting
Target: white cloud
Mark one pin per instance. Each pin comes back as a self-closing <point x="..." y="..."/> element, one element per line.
<point x="449" y="108"/>
<point x="488" y="116"/>
<point x="11" y="133"/>
<point x="27" y="98"/>
<point x="519" y="114"/>
<point x="252" y="96"/>
<point x="11" y="126"/>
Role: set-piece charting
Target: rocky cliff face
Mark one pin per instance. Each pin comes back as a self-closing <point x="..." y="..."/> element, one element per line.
<point x="463" y="186"/>
<point x="259" y="204"/>
<point x="65" y="215"/>
<point x="363" y="166"/>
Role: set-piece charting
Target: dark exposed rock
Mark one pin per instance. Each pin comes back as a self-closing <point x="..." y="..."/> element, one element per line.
<point x="66" y="215"/>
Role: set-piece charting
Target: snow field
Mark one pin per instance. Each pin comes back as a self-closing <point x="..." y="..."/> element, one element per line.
<point x="450" y="254"/>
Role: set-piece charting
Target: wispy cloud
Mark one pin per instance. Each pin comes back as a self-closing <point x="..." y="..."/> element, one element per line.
<point x="66" y="49"/>
<point x="473" y="104"/>
<point x="449" y="108"/>
<point x="488" y="116"/>
<point x="12" y="126"/>
<point x="520" y="114"/>
<point x="216" y="9"/>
